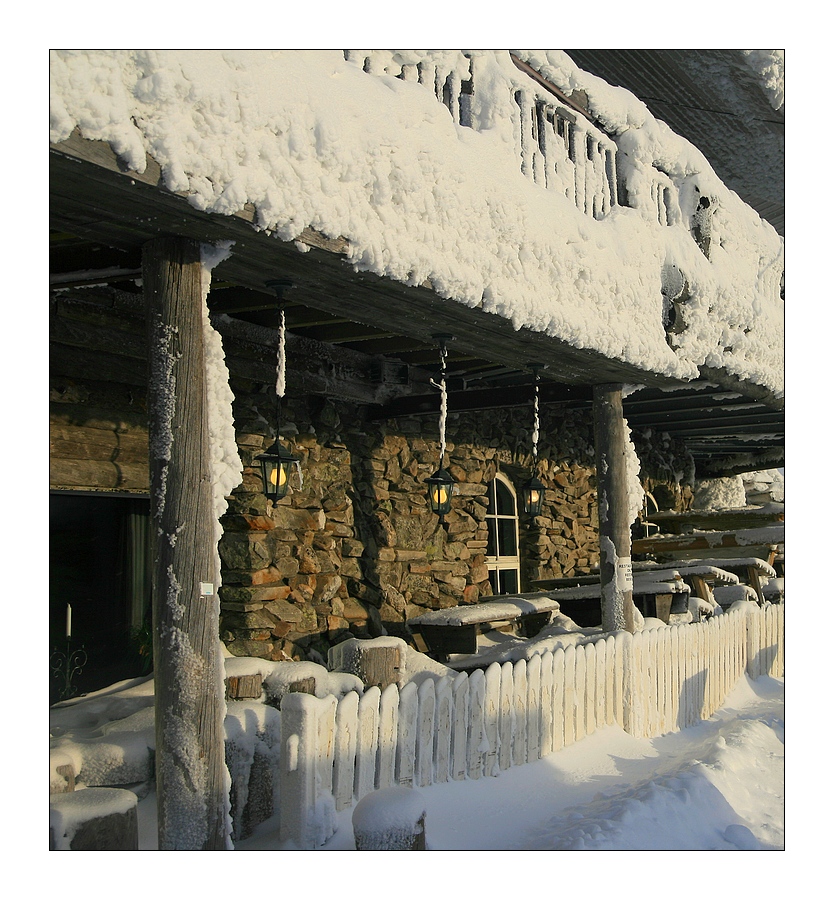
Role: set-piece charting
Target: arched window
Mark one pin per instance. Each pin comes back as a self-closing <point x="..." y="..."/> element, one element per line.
<point x="502" y="543"/>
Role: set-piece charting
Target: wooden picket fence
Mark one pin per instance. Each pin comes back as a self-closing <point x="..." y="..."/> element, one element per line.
<point x="334" y="752"/>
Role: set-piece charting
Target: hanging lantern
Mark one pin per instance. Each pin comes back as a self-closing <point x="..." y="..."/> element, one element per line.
<point x="276" y="465"/>
<point x="441" y="485"/>
<point x="532" y="495"/>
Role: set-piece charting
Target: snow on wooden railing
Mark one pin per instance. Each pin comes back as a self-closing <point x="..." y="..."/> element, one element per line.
<point x="474" y="726"/>
<point x="557" y="148"/>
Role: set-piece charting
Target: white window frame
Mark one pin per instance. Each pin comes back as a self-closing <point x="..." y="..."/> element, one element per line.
<point x="497" y="563"/>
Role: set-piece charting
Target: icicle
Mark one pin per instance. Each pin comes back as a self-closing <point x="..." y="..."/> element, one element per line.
<point x="281" y="383"/>
<point x="443" y="401"/>
<point x="536" y="422"/>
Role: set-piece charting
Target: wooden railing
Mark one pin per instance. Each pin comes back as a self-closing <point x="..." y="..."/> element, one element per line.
<point x="330" y="753"/>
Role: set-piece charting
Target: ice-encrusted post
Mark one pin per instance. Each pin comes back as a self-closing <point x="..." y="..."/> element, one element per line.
<point x="191" y="776"/>
<point x="612" y="495"/>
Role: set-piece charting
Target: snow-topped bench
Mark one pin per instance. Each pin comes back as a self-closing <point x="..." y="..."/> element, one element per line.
<point x="456" y="630"/>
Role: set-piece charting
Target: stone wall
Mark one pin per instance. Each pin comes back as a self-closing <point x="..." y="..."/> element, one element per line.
<point x="353" y="549"/>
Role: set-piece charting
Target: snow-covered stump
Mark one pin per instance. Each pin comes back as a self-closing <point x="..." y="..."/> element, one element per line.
<point x="406" y="753"/>
<point x="460" y="723"/>
<point x="377" y="662"/>
<point x="99" y="818"/>
<point x="390" y="819"/>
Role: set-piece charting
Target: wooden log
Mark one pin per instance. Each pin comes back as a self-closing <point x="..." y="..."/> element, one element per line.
<point x="244" y="687"/>
<point x="614" y="524"/>
<point x="390" y="819"/>
<point x="188" y="669"/>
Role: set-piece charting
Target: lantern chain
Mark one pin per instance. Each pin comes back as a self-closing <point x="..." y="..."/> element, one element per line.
<point x="536" y="421"/>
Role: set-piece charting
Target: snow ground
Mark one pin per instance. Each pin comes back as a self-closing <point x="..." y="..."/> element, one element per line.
<point x="716" y="786"/>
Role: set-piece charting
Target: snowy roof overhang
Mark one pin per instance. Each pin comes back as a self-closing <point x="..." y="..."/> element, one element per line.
<point x="105" y="203"/>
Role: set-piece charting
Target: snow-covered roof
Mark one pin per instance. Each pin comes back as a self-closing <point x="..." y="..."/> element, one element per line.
<point x="359" y="150"/>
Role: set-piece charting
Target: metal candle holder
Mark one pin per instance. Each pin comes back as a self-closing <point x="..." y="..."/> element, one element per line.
<point x="65" y="666"/>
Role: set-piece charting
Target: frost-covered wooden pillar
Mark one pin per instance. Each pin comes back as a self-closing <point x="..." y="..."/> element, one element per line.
<point x="190" y="706"/>
<point x="612" y="493"/>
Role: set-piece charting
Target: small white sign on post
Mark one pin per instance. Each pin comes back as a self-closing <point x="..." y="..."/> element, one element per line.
<point x="625" y="578"/>
<point x="206" y="589"/>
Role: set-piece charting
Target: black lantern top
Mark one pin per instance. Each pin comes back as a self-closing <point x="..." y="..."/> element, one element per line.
<point x="440" y="492"/>
<point x="276" y="465"/>
<point x="532" y="495"/>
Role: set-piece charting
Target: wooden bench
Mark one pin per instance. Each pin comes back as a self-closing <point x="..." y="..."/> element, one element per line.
<point x="580" y="597"/>
<point x="456" y="630"/>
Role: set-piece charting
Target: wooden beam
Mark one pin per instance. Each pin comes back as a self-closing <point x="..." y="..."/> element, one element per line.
<point x="614" y="524"/>
<point x="191" y="774"/>
<point x="484" y="398"/>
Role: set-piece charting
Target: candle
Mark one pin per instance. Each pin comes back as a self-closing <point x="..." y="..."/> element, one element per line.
<point x="69" y="620"/>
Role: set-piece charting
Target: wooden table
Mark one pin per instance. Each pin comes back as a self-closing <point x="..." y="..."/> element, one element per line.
<point x="654" y="597"/>
<point x="749" y="570"/>
<point x="456" y="630"/>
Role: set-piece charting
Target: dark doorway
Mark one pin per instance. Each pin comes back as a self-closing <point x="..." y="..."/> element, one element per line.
<point x="99" y="565"/>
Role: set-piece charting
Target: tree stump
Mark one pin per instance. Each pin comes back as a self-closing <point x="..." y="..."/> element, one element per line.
<point x="94" y="819"/>
<point x="392" y="818"/>
<point x="377" y="662"/>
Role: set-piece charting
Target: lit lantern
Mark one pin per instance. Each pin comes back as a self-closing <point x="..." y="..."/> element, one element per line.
<point x="276" y="464"/>
<point x="532" y="495"/>
<point x="440" y="492"/>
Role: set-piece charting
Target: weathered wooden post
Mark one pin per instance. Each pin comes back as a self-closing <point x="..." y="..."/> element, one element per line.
<point x="612" y="493"/>
<point x="188" y="668"/>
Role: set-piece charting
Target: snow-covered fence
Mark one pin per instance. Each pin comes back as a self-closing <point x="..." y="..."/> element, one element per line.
<point x="474" y="726"/>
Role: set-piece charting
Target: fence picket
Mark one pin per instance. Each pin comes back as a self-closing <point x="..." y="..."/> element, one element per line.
<point x="344" y="765"/>
<point x="547" y="704"/>
<point x="590" y="700"/>
<point x="406" y="753"/>
<point x="443" y="730"/>
<point x="389" y="705"/>
<point x="520" y="710"/>
<point x="426" y="702"/>
<point x="475" y="749"/>
<point x="570" y="695"/>
<point x="460" y="724"/>
<point x="326" y="727"/>
<point x="492" y="714"/>
<point x="619" y="679"/>
<point x="603" y="682"/>
<point x="506" y="723"/>
<point x="558" y="703"/>
<point x="580" y="688"/>
<point x="368" y="742"/>
<point x="533" y="701"/>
